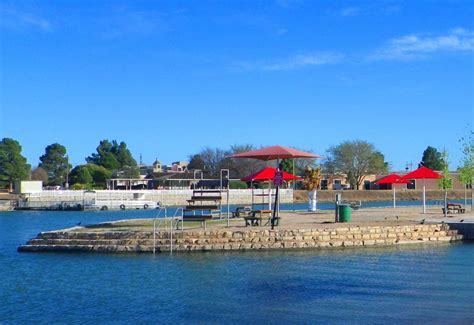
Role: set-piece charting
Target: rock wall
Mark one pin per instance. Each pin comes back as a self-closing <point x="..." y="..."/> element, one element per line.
<point x="252" y="239"/>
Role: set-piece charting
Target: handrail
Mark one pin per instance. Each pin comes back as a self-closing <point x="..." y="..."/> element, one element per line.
<point x="160" y="209"/>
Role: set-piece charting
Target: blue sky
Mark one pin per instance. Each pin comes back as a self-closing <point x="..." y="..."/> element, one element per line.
<point x="172" y="77"/>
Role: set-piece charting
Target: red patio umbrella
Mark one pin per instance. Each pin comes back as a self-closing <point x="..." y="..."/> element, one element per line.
<point x="392" y="179"/>
<point x="422" y="173"/>
<point x="275" y="153"/>
<point x="268" y="173"/>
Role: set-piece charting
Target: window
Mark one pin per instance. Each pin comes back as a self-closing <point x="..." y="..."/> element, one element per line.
<point x="411" y="184"/>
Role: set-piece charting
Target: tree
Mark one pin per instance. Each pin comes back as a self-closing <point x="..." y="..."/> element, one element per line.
<point x="355" y="159"/>
<point x="287" y="165"/>
<point x="195" y="162"/>
<point x="99" y="174"/>
<point x="56" y="164"/>
<point x="80" y="175"/>
<point x="446" y="181"/>
<point x="13" y="166"/>
<point x="240" y="167"/>
<point x="466" y="169"/>
<point x="39" y="174"/>
<point x="115" y="157"/>
<point x="432" y="159"/>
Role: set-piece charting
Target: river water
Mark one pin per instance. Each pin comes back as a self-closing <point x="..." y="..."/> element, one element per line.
<point x="413" y="284"/>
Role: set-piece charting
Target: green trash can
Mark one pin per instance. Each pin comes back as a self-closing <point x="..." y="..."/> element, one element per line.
<point x="344" y="212"/>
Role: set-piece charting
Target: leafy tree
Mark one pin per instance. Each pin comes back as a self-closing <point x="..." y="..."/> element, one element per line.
<point x="99" y="174"/>
<point x="356" y="159"/>
<point x="432" y="159"/>
<point x="105" y="155"/>
<point x="13" y="166"/>
<point x="466" y="170"/>
<point x="39" y="174"/>
<point x="115" y="157"/>
<point x="80" y="175"/>
<point x="196" y="162"/>
<point x="446" y="181"/>
<point x="287" y="165"/>
<point x="55" y="162"/>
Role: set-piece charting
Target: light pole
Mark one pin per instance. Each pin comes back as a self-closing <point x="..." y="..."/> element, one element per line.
<point x="66" y="184"/>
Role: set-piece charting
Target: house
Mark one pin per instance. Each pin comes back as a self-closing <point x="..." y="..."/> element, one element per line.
<point x="339" y="182"/>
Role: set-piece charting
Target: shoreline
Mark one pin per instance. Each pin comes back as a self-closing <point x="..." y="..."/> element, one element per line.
<point x="298" y="230"/>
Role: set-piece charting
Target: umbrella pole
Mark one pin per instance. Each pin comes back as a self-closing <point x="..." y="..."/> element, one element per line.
<point x="394" y="196"/>
<point x="424" y="197"/>
<point x="275" y="207"/>
<point x="269" y="195"/>
<point x="251" y="186"/>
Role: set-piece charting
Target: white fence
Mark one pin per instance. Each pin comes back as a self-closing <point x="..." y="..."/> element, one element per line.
<point x="165" y="197"/>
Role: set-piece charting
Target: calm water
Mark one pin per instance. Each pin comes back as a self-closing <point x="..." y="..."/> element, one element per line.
<point x="421" y="284"/>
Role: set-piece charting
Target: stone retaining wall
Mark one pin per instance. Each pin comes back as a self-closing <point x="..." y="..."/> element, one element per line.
<point x="253" y="239"/>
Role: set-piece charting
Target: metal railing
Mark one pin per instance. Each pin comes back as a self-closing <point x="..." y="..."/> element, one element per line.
<point x="167" y="223"/>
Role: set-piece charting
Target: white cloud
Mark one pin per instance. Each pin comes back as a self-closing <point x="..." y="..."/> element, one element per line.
<point x="16" y="19"/>
<point x="281" y="32"/>
<point x="412" y="47"/>
<point x="350" y="11"/>
<point x="295" y="62"/>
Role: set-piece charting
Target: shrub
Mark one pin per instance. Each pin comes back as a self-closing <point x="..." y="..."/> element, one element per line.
<point x="237" y="185"/>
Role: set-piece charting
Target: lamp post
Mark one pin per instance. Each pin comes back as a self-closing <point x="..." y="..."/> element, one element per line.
<point x="66" y="184"/>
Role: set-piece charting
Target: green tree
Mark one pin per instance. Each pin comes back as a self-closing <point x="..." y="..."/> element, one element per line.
<point x="80" y="175"/>
<point x="56" y="163"/>
<point x="115" y="157"/>
<point x="446" y="181"/>
<point x="432" y="159"/>
<point x="39" y="174"/>
<point x="355" y="159"/>
<point x="13" y="166"/>
<point x="99" y="174"/>
<point x="287" y="165"/>
<point x="466" y="169"/>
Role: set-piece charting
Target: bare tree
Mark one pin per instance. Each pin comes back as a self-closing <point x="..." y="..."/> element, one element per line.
<point x="355" y="159"/>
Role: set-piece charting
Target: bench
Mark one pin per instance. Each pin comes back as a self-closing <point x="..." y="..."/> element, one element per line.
<point x="256" y="218"/>
<point x="188" y="215"/>
<point x="453" y="208"/>
<point x="242" y="212"/>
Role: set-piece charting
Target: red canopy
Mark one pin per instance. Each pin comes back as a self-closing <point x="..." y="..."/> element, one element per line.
<point x="275" y="152"/>
<point x="268" y="173"/>
<point x="422" y="173"/>
<point x="392" y="179"/>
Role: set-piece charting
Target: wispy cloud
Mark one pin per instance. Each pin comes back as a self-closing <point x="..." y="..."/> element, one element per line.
<point x="126" y="21"/>
<point x="350" y="11"/>
<point x="295" y="62"/>
<point x="281" y="31"/>
<point x="412" y="47"/>
<point x="17" y="19"/>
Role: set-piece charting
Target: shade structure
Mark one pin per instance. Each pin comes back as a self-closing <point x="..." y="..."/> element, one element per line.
<point x="275" y="153"/>
<point x="392" y="179"/>
<point x="422" y="173"/>
<point x="268" y="173"/>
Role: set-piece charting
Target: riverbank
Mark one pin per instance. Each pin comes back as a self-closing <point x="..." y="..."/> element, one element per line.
<point x="369" y="227"/>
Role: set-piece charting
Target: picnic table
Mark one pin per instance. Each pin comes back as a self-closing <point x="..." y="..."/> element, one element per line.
<point x="256" y="218"/>
<point x="454" y="208"/>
